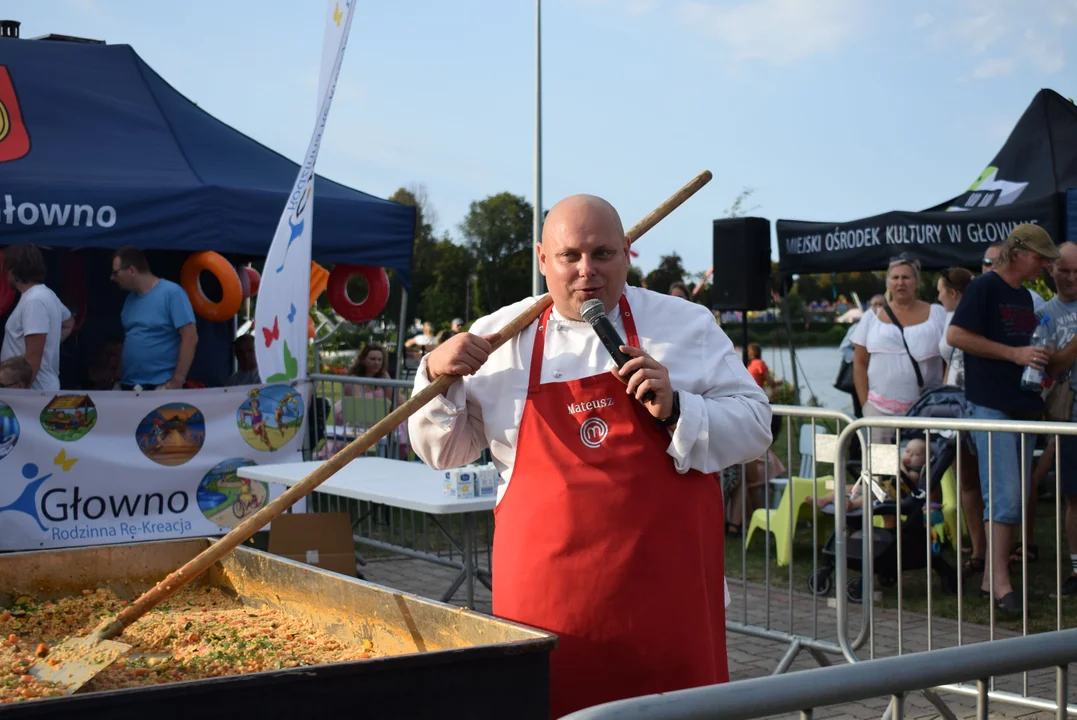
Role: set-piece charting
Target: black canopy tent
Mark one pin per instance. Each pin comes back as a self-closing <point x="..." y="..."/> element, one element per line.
<point x="1024" y="183"/>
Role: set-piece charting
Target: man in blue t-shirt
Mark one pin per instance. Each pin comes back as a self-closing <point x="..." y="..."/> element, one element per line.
<point x="993" y="325"/>
<point x="158" y="325"/>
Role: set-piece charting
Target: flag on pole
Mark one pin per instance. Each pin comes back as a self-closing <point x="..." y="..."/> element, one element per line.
<point x="280" y="316"/>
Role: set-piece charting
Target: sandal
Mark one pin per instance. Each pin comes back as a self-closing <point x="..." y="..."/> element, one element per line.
<point x="733" y="531"/>
<point x="1031" y="553"/>
<point x="973" y="565"/>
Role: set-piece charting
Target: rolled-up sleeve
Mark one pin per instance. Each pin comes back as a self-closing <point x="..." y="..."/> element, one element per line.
<point x="448" y="431"/>
<point x="725" y="416"/>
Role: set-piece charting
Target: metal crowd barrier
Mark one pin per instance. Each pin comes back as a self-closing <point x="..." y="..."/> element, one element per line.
<point x="870" y="633"/>
<point x="798" y="636"/>
<point x="345" y="407"/>
<point x="894" y="676"/>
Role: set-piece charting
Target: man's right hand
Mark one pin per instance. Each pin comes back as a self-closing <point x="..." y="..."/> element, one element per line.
<point x="1031" y="356"/>
<point x="462" y="354"/>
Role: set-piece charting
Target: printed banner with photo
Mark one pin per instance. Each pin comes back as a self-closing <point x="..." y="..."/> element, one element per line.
<point x="92" y="468"/>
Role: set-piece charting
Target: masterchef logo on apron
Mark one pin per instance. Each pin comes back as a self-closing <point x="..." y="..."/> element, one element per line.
<point x="593" y="431"/>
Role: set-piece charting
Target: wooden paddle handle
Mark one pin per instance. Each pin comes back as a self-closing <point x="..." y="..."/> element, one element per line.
<point x="206" y="559"/>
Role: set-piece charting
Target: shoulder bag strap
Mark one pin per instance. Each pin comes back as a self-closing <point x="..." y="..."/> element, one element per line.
<point x="897" y="324"/>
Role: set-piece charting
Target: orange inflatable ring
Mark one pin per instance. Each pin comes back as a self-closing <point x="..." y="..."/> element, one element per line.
<point x="377" y="283"/>
<point x="7" y="293"/>
<point x="231" y="290"/>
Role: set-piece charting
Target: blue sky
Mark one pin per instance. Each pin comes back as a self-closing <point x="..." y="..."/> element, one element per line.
<point x="829" y="109"/>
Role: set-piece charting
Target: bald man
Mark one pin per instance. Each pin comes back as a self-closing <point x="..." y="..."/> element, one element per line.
<point x="1062" y="311"/>
<point x="609" y="517"/>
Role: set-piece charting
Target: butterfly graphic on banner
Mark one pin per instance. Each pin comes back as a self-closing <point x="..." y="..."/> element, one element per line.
<point x="63" y="461"/>
<point x="271" y="335"/>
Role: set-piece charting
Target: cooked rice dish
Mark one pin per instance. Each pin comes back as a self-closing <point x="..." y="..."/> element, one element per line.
<point x="200" y="632"/>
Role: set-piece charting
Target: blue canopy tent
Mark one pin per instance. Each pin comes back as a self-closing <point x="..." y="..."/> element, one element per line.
<point x="118" y="157"/>
<point x="99" y="151"/>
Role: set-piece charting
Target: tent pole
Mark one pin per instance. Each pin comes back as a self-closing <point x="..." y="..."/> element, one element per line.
<point x="401" y="329"/>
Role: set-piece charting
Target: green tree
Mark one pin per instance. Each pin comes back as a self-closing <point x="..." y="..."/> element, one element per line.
<point x="498" y="234"/>
<point x="635" y="276"/>
<point x="447" y="297"/>
<point x="424" y="255"/>
<point x="670" y="270"/>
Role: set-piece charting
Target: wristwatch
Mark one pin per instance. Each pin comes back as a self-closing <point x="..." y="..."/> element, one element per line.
<point x="675" y="413"/>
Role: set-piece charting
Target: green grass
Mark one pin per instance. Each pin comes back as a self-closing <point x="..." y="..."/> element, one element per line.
<point x="1041" y="579"/>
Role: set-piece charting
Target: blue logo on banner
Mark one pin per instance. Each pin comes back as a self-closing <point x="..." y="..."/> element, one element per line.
<point x="25" y="502"/>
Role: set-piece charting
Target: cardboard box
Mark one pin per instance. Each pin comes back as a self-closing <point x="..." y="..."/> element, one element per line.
<point x="320" y="539"/>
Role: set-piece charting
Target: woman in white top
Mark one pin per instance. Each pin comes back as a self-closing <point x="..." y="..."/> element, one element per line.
<point x="886" y="380"/>
<point x="951" y="287"/>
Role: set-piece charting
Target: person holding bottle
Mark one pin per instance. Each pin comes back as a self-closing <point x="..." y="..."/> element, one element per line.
<point x="994" y="325"/>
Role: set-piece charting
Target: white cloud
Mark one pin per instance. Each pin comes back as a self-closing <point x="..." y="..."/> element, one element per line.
<point x="1001" y="37"/>
<point x="923" y="19"/>
<point x="993" y="68"/>
<point x="777" y="32"/>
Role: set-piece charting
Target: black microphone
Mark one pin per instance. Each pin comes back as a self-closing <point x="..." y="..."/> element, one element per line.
<point x="594" y="312"/>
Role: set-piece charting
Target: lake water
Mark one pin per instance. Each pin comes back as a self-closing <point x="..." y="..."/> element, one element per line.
<point x="816" y="369"/>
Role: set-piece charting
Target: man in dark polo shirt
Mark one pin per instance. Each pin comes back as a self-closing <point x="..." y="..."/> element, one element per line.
<point x="994" y="325"/>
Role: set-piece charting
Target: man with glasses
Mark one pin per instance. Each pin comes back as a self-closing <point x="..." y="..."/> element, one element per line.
<point x="158" y="325"/>
<point x="990" y="262"/>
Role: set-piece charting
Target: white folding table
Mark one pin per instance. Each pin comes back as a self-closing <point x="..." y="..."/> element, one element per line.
<point x="401" y="484"/>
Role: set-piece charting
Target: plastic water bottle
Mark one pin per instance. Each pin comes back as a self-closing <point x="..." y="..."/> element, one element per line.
<point x="1032" y="378"/>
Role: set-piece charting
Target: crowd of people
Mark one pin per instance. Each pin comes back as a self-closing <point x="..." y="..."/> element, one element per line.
<point x="977" y="338"/>
<point x="159" y="332"/>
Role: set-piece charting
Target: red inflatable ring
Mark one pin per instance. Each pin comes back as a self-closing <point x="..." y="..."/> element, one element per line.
<point x="231" y="290"/>
<point x="7" y="293"/>
<point x="377" y="283"/>
<point x="255" y="280"/>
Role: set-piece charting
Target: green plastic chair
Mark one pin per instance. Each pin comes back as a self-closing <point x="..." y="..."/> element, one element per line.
<point x="800" y="493"/>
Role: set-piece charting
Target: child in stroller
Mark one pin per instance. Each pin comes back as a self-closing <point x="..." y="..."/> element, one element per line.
<point x="917" y="513"/>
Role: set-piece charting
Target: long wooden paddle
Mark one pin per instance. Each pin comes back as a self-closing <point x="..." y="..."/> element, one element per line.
<point x="75" y="661"/>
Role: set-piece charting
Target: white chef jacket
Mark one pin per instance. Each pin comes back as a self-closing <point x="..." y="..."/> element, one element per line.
<point x="725" y="416"/>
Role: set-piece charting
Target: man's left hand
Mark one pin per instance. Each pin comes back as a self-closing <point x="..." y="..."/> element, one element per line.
<point x="649" y="375"/>
<point x="174" y="384"/>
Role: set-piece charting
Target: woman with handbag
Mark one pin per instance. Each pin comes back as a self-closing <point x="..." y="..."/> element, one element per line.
<point x="844" y="381"/>
<point x="897" y="350"/>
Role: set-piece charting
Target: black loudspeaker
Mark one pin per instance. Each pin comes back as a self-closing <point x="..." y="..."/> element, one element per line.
<point x="741" y="264"/>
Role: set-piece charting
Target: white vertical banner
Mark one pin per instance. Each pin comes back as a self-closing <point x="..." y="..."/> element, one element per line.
<point x="280" y="315"/>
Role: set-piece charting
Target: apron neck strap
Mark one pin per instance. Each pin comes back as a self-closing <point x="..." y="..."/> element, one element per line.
<point x="544" y="324"/>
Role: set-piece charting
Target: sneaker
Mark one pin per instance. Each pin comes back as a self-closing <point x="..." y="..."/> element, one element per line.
<point x="1069" y="587"/>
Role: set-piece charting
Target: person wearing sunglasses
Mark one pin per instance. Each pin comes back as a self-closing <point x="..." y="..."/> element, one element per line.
<point x="993" y="325"/>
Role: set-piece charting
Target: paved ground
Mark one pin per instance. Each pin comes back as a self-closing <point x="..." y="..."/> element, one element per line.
<point x="751" y="657"/>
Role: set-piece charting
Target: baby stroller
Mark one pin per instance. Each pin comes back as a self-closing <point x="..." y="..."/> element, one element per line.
<point x="944" y="402"/>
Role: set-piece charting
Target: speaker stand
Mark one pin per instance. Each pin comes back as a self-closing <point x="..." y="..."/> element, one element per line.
<point x="744" y="327"/>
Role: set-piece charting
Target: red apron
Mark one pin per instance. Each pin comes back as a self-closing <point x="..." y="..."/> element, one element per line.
<point x="600" y="540"/>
